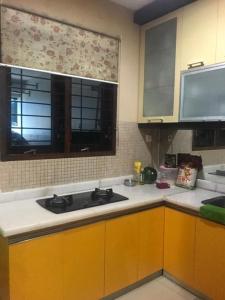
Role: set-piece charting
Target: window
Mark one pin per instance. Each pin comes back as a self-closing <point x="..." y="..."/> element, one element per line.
<point x="46" y="114"/>
<point x="30" y="108"/>
<point x="206" y="139"/>
<point x="92" y="115"/>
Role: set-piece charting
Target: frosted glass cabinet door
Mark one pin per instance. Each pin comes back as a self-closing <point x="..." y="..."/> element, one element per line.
<point x="159" y="69"/>
<point x="203" y="94"/>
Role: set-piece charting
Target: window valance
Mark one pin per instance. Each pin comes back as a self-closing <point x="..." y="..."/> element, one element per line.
<point x="31" y="41"/>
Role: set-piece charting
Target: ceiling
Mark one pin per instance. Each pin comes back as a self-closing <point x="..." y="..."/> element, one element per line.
<point x="133" y="4"/>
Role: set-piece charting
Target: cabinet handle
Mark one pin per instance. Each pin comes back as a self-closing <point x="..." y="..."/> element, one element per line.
<point x="155" y="120"/>
<point x="196" y="65"/>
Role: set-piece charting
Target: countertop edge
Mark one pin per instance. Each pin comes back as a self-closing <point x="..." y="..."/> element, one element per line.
<point x="17" y="238"/>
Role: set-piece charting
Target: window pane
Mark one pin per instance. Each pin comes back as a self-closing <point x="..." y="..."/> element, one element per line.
<point x="36" y="96"/>
<point x="36" y="83"/>
<point x="36" y="122"/>
<point x="90" y="113"/>
<point x="76" y="124"/>
<point x="36" y="135"/>
<point x="91" y="91"/>
<point x="17" y="138"/>
<point x="76" y="89"/>
<point x="31" y="122"/>
<point x="92" y="116"/>
<point x="76" y="113"/>
<point x="76" y="101"/>
<point x="91" y="102"/>
<point x="36" y="109"/>
<point x="89" y="125"/>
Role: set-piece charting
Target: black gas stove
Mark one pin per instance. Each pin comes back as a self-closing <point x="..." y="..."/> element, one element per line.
<point x="67" y="203"/>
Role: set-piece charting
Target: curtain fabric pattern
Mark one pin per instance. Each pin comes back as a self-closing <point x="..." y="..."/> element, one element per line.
<point x="32" y="41"/>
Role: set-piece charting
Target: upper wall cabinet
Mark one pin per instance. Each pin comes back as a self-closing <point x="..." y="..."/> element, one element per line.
<point x="220" y="51"/>
<point x="199" y="33"/>
<point x="160" y="66"/>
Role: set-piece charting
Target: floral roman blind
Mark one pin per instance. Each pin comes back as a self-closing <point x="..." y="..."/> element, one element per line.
<point x="31" y="41"/>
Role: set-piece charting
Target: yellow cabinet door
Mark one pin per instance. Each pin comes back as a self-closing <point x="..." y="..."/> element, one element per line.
<point x="151" y="232"/>
<point x="35" y="269"/>
<point x="199" y="33"/>
<point x="220" y="50"/>
<point x="121" y="253"/>
<point x="83" y="262"/>
<point x="210" y="259"/>
<point x="179" y="245"/>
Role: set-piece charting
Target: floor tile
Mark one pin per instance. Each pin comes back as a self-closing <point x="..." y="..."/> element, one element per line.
<point x="159" y="289"/>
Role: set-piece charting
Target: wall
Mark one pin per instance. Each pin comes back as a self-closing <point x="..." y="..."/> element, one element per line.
<point x="181" y="141"/>
<point x="102" y="16"/>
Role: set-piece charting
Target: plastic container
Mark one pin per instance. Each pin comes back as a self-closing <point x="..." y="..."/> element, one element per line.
<point x="168" y="175"/>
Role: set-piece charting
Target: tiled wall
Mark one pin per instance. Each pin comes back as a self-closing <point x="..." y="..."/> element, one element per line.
<point x="27" y="174"/>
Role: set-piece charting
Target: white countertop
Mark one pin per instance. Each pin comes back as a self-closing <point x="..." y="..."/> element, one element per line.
<point x="192" y="199"/>
<point x="21" y="216"/>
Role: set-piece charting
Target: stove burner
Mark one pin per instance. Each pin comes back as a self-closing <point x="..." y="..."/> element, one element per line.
<point x="67" y="203"/>
<point x="102" y="194"/>
<point x="58" y="201"/>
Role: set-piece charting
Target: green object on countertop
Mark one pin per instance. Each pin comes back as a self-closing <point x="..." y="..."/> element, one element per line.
<point x="149" y="175"/>
<point x="212" y="212"/>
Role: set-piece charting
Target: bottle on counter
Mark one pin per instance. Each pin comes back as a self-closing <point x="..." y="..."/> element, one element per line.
<point x="137" y="171"/>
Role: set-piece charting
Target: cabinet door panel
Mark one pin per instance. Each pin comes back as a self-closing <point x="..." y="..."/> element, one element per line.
<point x="199" y="33"/>
<point x="210" y="259"/>
<point x="160" y="57"/>
<point x="220" y="50"/>
<point x="83" y="262"/>
<point x="151" y="234"/>
<point x="179" y="245"/>
<point x="160" y="101"/>
<point x="198" y="90"/>
<point x="121" y="261"/>
<point x="160" y="49"/>
<point x="36" y="269"/>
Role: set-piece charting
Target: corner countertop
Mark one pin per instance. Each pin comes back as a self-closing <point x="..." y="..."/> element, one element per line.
<point x="22" y="216"/>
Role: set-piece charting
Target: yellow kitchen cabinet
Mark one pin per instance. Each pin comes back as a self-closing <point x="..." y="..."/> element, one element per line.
<point x="35" y="269"/>
<point x="220" y="50"/>
<point x="151" y="235"/>
<point x="210" y="259"/>
<point x="4" y="269"/>
<point x="179" y="245"/>
<point x="121" y="253"/>
<point x="63" y="266"/>
<point x="83" y="262"/>
<point x="199" y="33"/>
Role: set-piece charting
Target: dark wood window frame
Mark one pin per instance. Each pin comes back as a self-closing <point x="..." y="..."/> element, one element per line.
<point x="211" y="141"/>
<point x="46" y="152"/>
